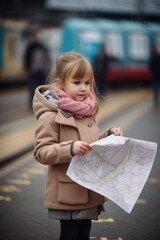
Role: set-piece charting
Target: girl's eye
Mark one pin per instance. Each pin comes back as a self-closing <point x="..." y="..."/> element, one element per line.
<point x="88" y="83"/>
<point x="76" y="82"/>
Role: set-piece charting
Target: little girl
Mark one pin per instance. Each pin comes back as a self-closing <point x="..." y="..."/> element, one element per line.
<point x="65" y="109"/>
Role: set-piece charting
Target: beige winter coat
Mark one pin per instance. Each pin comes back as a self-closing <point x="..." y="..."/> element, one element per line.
<point x="53" y="136"/>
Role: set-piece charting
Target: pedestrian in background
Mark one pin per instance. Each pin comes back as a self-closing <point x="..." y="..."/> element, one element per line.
<point x="65" y="109"/>
<point x="154" y="65"/>
<point x="101" y="63"/>
<point x="36" y="64"/>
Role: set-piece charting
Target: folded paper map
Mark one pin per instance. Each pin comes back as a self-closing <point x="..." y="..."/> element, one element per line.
<point x="117" y="167"/>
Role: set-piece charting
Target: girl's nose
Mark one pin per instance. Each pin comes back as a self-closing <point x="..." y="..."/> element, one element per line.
<point x="83" y="87"/>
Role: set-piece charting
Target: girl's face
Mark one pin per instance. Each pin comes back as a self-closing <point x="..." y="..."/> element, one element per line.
<point x="78" y="89"/>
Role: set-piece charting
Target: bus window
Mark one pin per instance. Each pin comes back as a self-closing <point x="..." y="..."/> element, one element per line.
<point x="157" y="41"/>
<point x="113" y="44"/>
<point x="89" y="43"/>
<point x="138" y="46"/>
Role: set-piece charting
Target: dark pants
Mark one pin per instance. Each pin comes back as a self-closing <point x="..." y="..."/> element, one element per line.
<point x="156" y="91"/>
<point x="75" y="229"/>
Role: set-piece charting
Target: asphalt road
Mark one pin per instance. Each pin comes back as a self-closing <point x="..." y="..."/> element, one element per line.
<point x="22" y="216"/>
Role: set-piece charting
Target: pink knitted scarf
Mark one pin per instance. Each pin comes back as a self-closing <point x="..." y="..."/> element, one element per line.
<point x="79" y="109"/>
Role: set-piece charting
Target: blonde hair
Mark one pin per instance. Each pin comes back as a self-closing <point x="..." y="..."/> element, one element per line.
<point x="71" y="65"/>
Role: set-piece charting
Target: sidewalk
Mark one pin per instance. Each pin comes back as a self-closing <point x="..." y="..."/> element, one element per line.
<point x="18" y="137"/>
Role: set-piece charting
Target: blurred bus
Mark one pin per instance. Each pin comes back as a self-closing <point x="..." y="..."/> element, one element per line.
<point x="126" y="42"/>
<point x="137" y="51"/>
<point x="81" y="35"/>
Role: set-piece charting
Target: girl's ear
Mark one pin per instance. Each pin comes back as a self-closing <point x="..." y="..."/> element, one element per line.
<point x="59" y="83"/>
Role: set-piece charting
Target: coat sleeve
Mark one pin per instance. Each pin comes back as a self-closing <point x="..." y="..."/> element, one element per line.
<point x="47" y="149"/>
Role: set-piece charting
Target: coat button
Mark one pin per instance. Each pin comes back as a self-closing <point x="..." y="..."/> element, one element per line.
<point x="89" y="124"/>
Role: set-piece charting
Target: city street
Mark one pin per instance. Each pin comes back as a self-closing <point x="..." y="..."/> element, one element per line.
<point x="108" y="49"/>
<point x="22" y="216"/>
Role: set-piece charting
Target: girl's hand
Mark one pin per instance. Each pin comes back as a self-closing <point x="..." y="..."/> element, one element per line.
<point x="116" y="131"/>
<point x="80" y="148"/>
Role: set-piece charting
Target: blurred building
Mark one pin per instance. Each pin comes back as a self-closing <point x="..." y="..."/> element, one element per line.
<point x="56" y="10"/>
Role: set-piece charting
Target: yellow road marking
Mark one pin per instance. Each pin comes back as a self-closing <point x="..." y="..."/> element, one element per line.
<point x="23" y="175"/>
<point x="9" y="188"/>
<point x="154" y="180"/>
<point x="19" y="181"/>
<point x="5" y="198"/>
<point x="141" y="201"/>
<point x="37" y="171"/>
<point x="109" y="220"/>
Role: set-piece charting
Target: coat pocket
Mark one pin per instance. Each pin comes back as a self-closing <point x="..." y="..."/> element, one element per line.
<point x="70" y="192"/>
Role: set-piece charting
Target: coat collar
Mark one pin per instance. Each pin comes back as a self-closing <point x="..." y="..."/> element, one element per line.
<point x="65" y="119"/>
